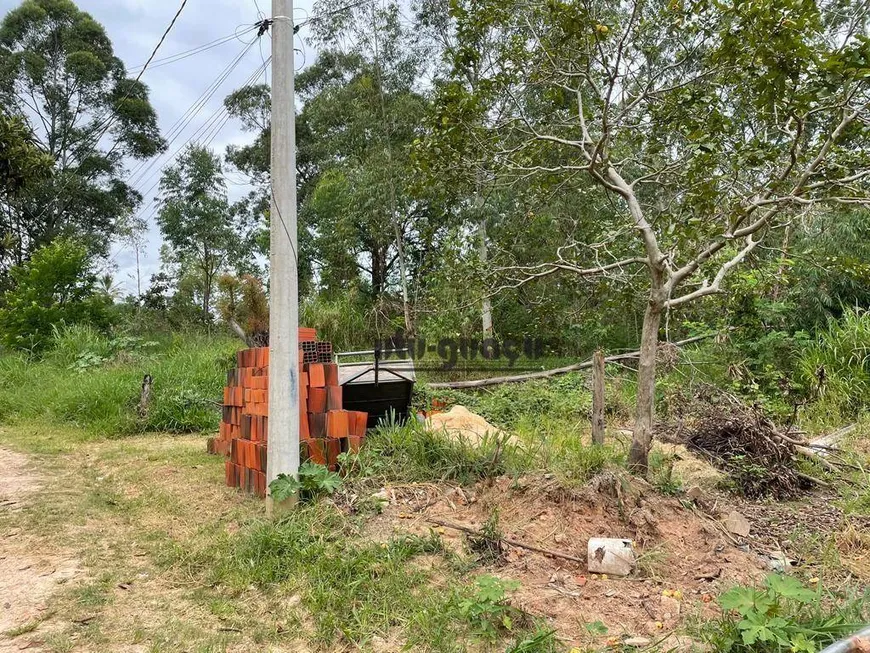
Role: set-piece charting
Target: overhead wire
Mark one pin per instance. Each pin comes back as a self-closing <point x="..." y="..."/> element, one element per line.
<point x="179" y="56"/>
<point x="137" y="174"/>
<point x="111" y="116"/>
<point x="205" y="134"/>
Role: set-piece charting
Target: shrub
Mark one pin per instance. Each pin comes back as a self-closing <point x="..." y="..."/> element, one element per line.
<point x="57" y="286"/>
<point x="93" y="381"/>
<point x="412" y="452"/>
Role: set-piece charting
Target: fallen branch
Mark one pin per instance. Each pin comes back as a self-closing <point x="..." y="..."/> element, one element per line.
<point x="508" y="541"/>
<point x="545" y="374"/>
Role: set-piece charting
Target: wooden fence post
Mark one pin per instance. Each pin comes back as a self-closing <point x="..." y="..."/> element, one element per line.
<point x="598" y="397"/>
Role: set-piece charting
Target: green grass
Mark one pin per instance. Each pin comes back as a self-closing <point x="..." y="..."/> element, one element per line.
<point x="93" y="382"/>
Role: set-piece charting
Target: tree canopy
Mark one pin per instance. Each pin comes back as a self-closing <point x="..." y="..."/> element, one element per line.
<point x="60" y="77"/>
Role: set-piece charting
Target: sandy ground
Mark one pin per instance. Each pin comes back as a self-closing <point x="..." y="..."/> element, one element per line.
<point x="28" y="577"/>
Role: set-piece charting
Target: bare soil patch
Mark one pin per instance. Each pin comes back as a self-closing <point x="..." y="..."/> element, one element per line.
<point x="680" y="551"/>
<point x="29" y="575"/>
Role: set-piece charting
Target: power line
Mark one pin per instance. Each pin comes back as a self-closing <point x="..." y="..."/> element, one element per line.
<point x="182" y="123"/>
<point x="178" y="56"/>
<point x="208" y="131"/>
<point x="162" y="38"/>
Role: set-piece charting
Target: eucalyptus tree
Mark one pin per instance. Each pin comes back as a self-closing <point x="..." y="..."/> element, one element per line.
<point x="709" y="126"/>
<point x="60" y="76"/>
<point x="196" y="221"/>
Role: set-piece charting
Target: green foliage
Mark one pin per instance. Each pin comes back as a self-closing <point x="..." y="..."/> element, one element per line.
<point x="344" y="581"/>
<point x="57" y="286"/>
<point x="21" y="160"/>
<point x="101" y="391"/>
<point x="314" y="480"/>
<point x="509" y="405"/>
<point x="348" y="320"/>
<point x="487" y="544"/>
<point x="837" y="365"/>
<point x="487" y="610"/>
<point x="59" y="75"/>
<point x="783" y="615"/>
<point x="412" y="452"/>
<point x="830" y="269"/>
<point x="542" y="640"/>
<point x="196" y="221"/>
<point x="661" y="474"/>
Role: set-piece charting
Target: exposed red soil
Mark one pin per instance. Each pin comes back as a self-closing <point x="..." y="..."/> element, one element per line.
<point x="680" y="550"/>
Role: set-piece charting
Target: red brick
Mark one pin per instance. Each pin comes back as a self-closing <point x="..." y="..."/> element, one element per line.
<point x="317" y="400"/>
<point x="333" y="449"/>
<point x="317" y="425"/>
<point x="304" y="431"/>
<point x="354" y="442"/>
<point x="333" y="397"/>
<point x="336" y="424"/>
<point x="317" y="451"/>
<point x="330" y="373"/>
<point x="316" y="376"/>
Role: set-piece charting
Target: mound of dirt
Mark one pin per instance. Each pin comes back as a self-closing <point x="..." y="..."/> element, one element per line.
<point x="689" y="468"/>
<point x="461" y="423"/>
<point x="678" y="549"/>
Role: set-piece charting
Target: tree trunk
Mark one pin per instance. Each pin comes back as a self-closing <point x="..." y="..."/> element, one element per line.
<point x="638" y="456"/>
<point x="483" y="255"/>
<point x="598" y="397"/>
<point x="403" y="271"/>
<point x="780" y="273"/>
<point x="378" y="271"/>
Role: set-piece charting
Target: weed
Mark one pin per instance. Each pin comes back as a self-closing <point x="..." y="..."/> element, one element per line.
<point x="27" y="627"/>
<point x="784" y="613"/>
<point x="651" y="563"/>
<point x="411" y="452"/>
<point x="352" y="588"/>
<point x="314" y="480"/>
<point x="661" y="473"/>
<point x="487" y="610"/>
<point x="542" y="640"/>
<point x="837" y="366"/>
<point x="488" y="545"/>
<point x="188" y="374"/>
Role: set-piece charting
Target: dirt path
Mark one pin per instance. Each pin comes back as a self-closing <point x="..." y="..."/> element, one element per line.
<point x="28" y="577"/>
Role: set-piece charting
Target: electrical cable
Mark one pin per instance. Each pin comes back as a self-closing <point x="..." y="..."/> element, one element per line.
<point x="208" y="132"/>
<point x="182" y="123"/>
<point x="178" y="56"/>
<point x="125" y="97"/>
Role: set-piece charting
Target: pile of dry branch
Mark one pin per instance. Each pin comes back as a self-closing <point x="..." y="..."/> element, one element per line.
<point x="761" y="460"/>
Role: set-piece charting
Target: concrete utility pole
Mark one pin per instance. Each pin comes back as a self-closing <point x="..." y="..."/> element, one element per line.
<point x="283" y="282"/>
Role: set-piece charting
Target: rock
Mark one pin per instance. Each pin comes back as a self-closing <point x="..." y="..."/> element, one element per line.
<point x="737" y="524"/>
<point x="637" y="642"/>
<point x="610" y="556"/>
<point x="778" y="561"/>
<point x="670" y="607"/>
<point x="695" y="493"/>
<point x="558" y="538"/>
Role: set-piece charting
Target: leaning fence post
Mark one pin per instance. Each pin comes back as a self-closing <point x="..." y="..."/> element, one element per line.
<point x="598" y="397"/>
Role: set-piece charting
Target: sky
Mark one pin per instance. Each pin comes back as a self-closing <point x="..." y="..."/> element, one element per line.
<point x="135" y="27"/>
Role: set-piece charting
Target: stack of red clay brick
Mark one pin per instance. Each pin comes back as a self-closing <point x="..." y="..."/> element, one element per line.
<point x="325" y="429"/>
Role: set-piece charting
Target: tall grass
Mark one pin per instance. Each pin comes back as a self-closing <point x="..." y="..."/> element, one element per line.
<point x="93" y="381"/>
<point x="837" y="365"/>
